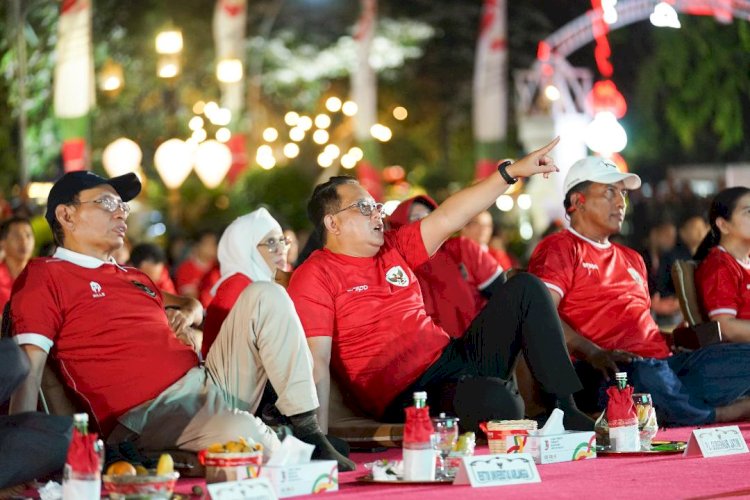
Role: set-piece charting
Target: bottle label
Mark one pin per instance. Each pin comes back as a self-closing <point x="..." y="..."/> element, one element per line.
<point x="81" y="489"/>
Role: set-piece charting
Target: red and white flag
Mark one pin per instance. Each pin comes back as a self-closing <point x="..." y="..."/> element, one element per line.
<point x="491" y="75"/>
<point x="364" y="83"/>
<point x="230" y="17"/>
<point x="74" y="94"/>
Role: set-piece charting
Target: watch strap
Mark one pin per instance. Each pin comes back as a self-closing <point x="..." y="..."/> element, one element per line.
<point x="503" y="169"/>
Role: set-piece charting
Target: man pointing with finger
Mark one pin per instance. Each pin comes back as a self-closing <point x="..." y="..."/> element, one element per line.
<point x="363" y="312"/>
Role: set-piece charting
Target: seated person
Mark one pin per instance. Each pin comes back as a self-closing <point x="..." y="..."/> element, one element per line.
<point x="601" y="293"/>
<point x="107" y="329"/>
<point x="457" y="280"/>
<point x="362" y="310"/>
<point x="251" y="249"/>
<point x="16" y="246"/>
<point x="723" y="276"/>
<point x="33" y="444"/>
<point x="150" y="259"/>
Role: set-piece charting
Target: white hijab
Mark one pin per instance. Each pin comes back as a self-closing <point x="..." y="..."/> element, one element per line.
<point x="238" y="247"/>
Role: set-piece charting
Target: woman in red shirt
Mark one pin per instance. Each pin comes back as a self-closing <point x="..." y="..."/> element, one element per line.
<point x="723" y="276"/>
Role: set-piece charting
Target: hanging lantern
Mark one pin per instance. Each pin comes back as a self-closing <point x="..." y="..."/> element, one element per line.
<point x="605" y="96"/>
<point x="212" y="162"/>
<point x="174" y="161"/>
<point x="605" y="135"/>
<point x="121" y="157"/>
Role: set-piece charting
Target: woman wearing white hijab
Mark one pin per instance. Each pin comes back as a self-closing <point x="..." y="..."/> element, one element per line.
<point x="250" y="251"/>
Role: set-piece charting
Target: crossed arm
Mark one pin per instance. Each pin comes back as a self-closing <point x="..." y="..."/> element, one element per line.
<point x="604" y="360"/>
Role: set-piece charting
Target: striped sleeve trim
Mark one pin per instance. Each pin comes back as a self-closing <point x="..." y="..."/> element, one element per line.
<point x="555" y="288"/>
<point x="492" y="278"/>
<point x="724" y="310"/>
<point x="36" y="339"/>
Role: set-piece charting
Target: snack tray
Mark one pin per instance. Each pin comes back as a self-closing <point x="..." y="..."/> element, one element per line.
<point x="657" y="448"/>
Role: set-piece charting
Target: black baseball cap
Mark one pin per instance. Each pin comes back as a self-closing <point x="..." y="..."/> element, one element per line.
<point x="69" y="185"/>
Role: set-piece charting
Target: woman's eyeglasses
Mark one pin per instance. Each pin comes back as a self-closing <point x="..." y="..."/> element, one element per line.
<point x="365" y="207"/>
<point x="274" y="245"/>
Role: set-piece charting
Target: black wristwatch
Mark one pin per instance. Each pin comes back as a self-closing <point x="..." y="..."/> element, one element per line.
<point x="502" y="167"/>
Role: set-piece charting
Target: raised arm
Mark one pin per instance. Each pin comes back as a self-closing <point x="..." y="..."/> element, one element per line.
<point x="26" y="396"/>
<point x="458" y="209"/>
<point x="320" y="347"/>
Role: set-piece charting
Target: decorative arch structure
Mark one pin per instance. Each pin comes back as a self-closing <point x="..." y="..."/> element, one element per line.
<point x="540" y="117"/>
<point x="551" y="66"/>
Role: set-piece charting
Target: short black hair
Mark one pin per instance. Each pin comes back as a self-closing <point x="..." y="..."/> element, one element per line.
<point x="5" y="226"/>
<point x="147" y="252"/>
<point x="578" y="188"/>
<point x="58" y="235"/>
<point x="325" y="200"/>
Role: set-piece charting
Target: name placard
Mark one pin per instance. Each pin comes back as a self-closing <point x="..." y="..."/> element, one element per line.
<point x="497" y="470"/>
<point x="247" y="489"/>
<point x="716" y="442"/>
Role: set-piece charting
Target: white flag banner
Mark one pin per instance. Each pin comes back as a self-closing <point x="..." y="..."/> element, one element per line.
<point x="364" y="84"/>
<point x="490" y="74"/>
<point x="229" y="21"/>
<point x="74" y="93"/>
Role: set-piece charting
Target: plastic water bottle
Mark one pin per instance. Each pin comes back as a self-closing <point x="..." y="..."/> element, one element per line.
<point x="419" y="457"/>
<point x="78" y="485"/>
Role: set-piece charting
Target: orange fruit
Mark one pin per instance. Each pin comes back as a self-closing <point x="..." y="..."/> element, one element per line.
<point x="121" y="468"/>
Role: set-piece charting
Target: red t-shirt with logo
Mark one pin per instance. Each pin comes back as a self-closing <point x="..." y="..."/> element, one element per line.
<point x="106" y="327"/>
<point x="372" y="307"/>
<point x="218" y="310"/>
<point x="604" y="292"/>
<point x="6" y="285"/>
<point x="723" y="285"/>
<point x="451" y="281"/>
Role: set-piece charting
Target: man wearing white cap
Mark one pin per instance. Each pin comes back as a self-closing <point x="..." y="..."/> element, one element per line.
<point x="601" y="292"/>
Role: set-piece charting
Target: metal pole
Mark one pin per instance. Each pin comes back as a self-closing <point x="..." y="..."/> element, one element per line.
<point x="19" y="16"/>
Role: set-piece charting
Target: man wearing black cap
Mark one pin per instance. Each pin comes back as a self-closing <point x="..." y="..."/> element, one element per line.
<point x="137" y="369"/>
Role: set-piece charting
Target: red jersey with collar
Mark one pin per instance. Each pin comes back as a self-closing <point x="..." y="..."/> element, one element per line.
<point x="206" y="285"/>
<point x="383" y="339"/>
<point x="604" y="292"/>
<point x="6" y="285"/>
<point x="110" y="333"/>
<point x="451" y="281"/>
<point x="218" y="310"/>
<point x="723" y="285"/>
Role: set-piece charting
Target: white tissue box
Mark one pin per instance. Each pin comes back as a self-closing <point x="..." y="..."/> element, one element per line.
<point x="318" y="476"/>
<point x="565" y="447"/>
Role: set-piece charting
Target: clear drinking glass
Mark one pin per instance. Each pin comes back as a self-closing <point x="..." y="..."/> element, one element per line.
<point x="444" y="440"/>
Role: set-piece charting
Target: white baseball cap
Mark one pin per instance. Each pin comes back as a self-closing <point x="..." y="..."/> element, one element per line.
<point x="602" y="170"/>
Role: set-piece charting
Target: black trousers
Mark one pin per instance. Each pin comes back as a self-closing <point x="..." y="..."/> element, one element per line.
<point x="32" y="444"/>
<point x="474" y="375"/>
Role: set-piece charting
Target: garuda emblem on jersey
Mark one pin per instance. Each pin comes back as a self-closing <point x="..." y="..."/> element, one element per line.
<point x="397" y="276"/>
<point x="144" y="288"/>
<point x="636" y="277"/>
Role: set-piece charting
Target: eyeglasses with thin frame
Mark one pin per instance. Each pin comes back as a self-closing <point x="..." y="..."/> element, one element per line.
<point x="110" y="205"/>
<point x="274" y="244"/>
<point x="365" y="207"/>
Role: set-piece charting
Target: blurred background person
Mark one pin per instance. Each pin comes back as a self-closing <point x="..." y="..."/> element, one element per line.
<point x="480" y="229"/>
<point x="200" y="261"/>
<point x="17" y="246"/>
<point x="150" y="259"/>
<point x="661" y="240"/>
